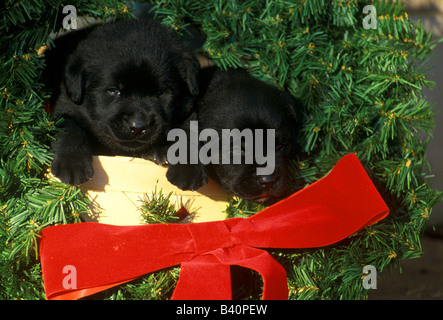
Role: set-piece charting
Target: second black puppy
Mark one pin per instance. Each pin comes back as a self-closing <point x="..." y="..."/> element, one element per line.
<point x="125" y="86"/>
<point x="236" y="100"/>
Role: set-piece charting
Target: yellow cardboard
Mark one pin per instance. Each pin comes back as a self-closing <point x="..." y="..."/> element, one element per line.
<point x="120" y="183"/>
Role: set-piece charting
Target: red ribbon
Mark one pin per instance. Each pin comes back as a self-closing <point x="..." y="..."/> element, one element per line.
<point x="103" y="256"/>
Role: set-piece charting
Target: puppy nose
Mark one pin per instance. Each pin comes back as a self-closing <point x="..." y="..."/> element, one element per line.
<point x="267" y="181"/>
<point x="136" y="123"/>
<point x="137" y="127"/>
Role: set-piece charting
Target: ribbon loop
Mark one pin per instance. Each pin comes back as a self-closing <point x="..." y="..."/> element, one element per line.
<point x="275" y="285"/>
<point x="218" y="263"/>
<point x="103" y="256"/>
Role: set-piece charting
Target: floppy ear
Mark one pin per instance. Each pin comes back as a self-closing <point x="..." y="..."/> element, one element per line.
<point x="294" y="108"/>
<point x="74" y="79"/>
<point x="189" y="71"/>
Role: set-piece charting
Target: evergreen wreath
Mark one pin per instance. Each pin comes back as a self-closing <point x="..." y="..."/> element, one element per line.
<point x="362" y="90"/>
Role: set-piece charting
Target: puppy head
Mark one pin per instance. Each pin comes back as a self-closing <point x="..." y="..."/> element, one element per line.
<point x="245" y="180"/>
<point x="271" y="110"/>
<point x="134" y="79"/>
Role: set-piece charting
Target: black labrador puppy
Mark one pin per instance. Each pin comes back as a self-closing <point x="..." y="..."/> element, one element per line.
<point x="261" y="122"/>
<point x="124" y="87"/>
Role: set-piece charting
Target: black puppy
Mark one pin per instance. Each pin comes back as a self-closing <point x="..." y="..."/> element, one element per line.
<point x="125" y="86"/>
<point x="236" y="100"/>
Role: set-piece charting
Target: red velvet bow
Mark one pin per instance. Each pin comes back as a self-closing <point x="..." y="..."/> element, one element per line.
<point x="104" y="256"/>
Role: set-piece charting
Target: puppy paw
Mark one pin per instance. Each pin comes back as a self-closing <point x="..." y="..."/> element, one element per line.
<point x="158" y="156"/>
<point x="187" y="176"/>
<point x="73" y="165"/>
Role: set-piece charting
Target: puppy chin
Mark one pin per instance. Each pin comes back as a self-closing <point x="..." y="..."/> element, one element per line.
<point x="260" y="199"/>
<point x="258" y="194"/>
<point x="251" y="191"/>
<point x="266" y="197"/>
<point x="124" y="142"/>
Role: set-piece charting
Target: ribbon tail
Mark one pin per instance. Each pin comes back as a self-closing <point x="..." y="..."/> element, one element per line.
<point x="203" y="278"/>
<point x="325" y="212"/>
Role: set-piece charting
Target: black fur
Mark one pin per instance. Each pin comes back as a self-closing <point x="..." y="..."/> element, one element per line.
<point x="124" y="87"/>
<point x="235" y="99"/>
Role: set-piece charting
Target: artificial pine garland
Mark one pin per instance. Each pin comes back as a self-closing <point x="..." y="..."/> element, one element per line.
<point x="362" y="89"/>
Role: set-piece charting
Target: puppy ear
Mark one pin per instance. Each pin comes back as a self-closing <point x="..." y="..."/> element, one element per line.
<point x="74" y="80"/>
<point x="294" y="108"/>
<point x="189" y="71"/>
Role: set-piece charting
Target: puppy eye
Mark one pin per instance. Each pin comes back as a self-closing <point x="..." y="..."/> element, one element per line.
<point x="159" y="93"/>
<point x="114" y="92"/>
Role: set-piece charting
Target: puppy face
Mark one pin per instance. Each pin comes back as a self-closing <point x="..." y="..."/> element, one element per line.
<point x="243" y="180"/>
<point x="244" y="102"/>
<point x="132" y="81"/>
<point x="134" y="107"/>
